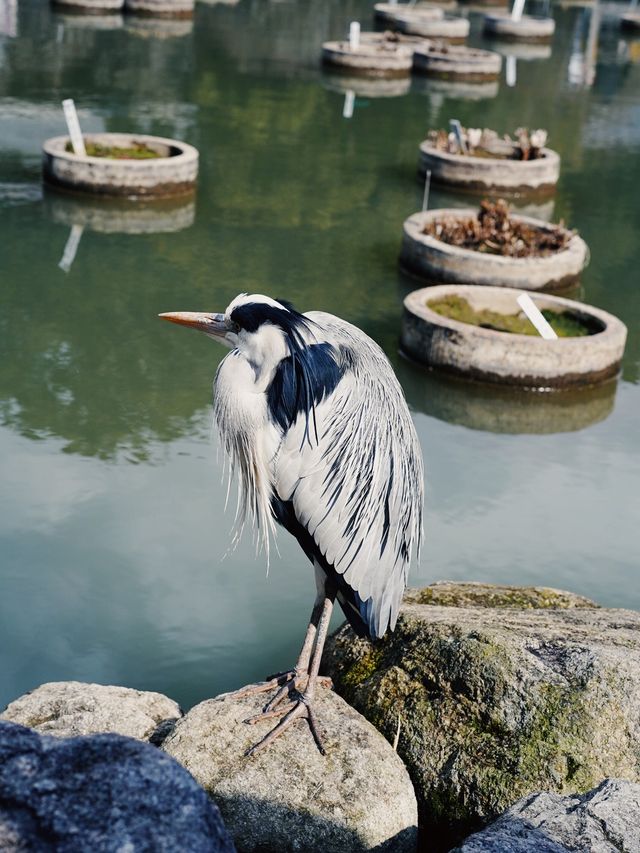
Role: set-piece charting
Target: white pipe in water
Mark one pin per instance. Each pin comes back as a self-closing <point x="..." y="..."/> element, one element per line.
<point x="349" y="103"/>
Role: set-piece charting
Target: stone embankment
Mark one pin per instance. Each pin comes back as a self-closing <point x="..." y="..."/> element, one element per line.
<point x="515" y="705"/>
<point x="498" y="693"/>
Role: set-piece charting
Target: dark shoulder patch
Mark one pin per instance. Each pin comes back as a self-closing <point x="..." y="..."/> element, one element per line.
<point x="302" y="380"/>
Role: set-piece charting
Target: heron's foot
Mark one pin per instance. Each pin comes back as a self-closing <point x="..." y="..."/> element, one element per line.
<point x="302" y="708"/>
<point x="289" y="683"/>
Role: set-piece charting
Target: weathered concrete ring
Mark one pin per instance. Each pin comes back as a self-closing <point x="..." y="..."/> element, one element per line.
<point x="511" y="359"/>
<point x="91" y="7"/>
<point x="457" y="63"/>
<point x="369" y="58"/>
<point x="386" y="13"/>
<point x="482" y="174"/>
<point x="454" y="30"/>
<point x="527" y="28"/>
<point x="161" y="8"/>
<point x="174" y="173"/>
<point x="433" y="260"/>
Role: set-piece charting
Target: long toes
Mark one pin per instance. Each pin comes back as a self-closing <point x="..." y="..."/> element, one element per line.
<point x="282" y="693"/>
<point x="298" y="710"/>
<point x="269" y="715"/>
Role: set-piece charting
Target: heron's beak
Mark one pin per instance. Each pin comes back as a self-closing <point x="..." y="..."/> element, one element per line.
<point x="213" y="325"/>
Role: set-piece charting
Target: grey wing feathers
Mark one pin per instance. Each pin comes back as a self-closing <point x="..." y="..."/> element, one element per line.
<point x="359" y="489"/>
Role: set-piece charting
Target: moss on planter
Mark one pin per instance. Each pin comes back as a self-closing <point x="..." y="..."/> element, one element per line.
<point x="137" y="151"/>
<point x="564" y="324"/>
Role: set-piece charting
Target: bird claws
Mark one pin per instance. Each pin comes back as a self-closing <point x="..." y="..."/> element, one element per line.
<point x="301" y="708"/>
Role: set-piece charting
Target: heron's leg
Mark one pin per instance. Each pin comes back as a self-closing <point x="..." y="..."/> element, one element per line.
<point x="290" y="679"/>
<point x="303" y="707"/>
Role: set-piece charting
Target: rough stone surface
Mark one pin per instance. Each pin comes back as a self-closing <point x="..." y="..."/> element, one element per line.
<point x="497" y="702"/>
<point x="606" y="820"/>
<point x="289" y="797"/>
<point x="104" y="792"/>
<point x="508" y="359"/>
<point x="70" y="708"/>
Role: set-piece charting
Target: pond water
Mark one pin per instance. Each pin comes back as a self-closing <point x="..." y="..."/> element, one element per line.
<point x="114" y="542"/>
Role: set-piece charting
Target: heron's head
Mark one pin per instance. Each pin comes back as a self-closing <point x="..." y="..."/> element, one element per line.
<point x="262" y="329"/>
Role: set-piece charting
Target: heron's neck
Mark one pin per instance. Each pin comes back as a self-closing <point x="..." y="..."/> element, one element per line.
<point x="263" y="351"/>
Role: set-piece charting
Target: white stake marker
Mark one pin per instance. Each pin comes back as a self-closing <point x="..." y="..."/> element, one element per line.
<point x="73" y="124"/>
<point x="427" y="187"/>
<point x="456" y="127"/>
<point x="518" y="9"/>
<point x="354" y="35"/>
<point x="511" y="73"/>
<point x="349" y="103"/>
<point x="71" y="247"/>
<point x="534" y="314"/>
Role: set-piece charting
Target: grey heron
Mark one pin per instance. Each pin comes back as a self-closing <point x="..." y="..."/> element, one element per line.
<point x="316" y="426"/>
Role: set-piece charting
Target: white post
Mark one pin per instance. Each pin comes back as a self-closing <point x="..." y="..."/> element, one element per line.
<point x="427" y="187"/>
<point x="349" y="103"/>
<point x="456" y="127"/>
<point x="534" y="314"/>
<point x="518" y="9"/>
<point x="511" y="73"/>
<point x="354" y="35"/>
<point x="71" y="247"/>
<point x="73" y="124"/>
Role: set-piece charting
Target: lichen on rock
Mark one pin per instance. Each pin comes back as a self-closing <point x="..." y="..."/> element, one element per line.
<point x="498" y="692"/>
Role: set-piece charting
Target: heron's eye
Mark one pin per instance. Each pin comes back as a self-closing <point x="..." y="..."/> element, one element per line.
<point x="233" y="327"/>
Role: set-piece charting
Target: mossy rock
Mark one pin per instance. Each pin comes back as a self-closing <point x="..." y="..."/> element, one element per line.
<point x="473" y="594"/>
<point x="496" y="692"/>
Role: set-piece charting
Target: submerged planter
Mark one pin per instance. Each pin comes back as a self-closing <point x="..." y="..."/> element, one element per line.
<point x="433" y="260"/>
<point x="372" y="57"/>
<point x="457" y="63"/>
<point x="173" y="173"/>
<point x="511" y="359"/>
<point x="366" y="86"/>
<point x="92" y="7"/>
<point x="527" y="28"/>
<point x="158" y="28"/>
<point x="453" y="30"/>
<point x="386" y="13"/>
<point x="161" y="8"/>
<point x="484" y="174"/>
<point x="463" y="90"/>
<point x="121" y="216"/>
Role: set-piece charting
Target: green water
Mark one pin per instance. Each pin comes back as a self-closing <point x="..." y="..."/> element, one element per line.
<point x="113" y="533"/>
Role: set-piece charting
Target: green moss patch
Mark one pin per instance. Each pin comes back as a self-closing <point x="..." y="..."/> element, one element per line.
<point x="564" y="324"/>
<point x="137" y="151"/>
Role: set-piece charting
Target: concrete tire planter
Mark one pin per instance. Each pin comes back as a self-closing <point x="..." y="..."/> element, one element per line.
<point x="370" y="58"/>
<point x="512" y="359"/>
<point x="386" y="13"/>
<point x="527" y="28"/>
<point x="91" y="7"/>
<point x="484" y="174"/>
<point x="463" y="90"/>
<point x="161" y="8"/>
<point x="457" y="63"/>
<point x="432" y="260"/>
<point x="172" y="174"/>
<point x="453" y="30"/>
